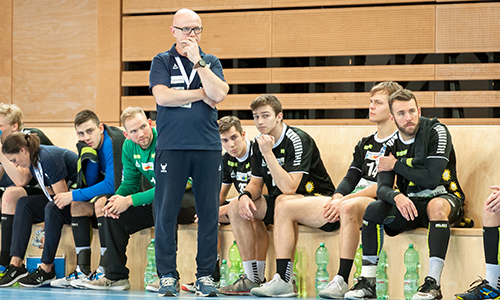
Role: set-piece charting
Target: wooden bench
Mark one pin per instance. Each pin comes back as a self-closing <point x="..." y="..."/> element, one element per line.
<point x="475" y="154"/>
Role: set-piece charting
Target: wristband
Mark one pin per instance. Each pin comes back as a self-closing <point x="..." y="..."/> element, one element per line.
<point x="245" y="193"/>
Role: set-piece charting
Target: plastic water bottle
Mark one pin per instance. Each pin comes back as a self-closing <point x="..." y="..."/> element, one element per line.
<point x="224" y="273"/>
<point x="358" y="263"/>
<point x="235" y="259"/>
<point x="322" y="277"/>
<point x="382" y="281"/>
<point x="295" y="271"/>
<point x="411" y="276"/>
<point x="150" y="274"/>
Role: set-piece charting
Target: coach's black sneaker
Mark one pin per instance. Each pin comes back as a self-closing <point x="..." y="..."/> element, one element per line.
<point x="363" y="289"/>
<point x="480" y="289"/>
<point x="38" y="278"/>
<point x="429" y="290"/>
<point x="12" y="274"/>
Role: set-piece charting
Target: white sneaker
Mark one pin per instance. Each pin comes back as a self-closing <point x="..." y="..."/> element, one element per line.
<point x="335" y="288"/>
<point x="153" y="286"/>
<point x="104" y="283"/>
<point x="66" y="281"/>
<point x="275" y="288"/>
<point x="80" y="283"/>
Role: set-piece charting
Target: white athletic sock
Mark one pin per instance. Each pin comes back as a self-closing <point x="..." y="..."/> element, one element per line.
<point x="493" y="275"/>
<point x="103" y="249"/>
<point x="369" y="271"/>
<point x="250" y="267"/>
<point x="78" y="249"/>
<point x="261" y="268"/>
<point x="436" y="266"/>
<point x="101" y="268"/>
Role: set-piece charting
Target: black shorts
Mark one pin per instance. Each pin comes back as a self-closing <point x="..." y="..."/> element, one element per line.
<point x="395" y="223"/>
<point x="269" y="217"/>
<point x="329" y="227"/>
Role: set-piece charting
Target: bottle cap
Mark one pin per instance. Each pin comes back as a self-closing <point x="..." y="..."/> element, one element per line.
<point x="224" y="261"/>
<point x="322" y="244"/>
<point x="152" y="240"/>
<point x="411" y="245"/>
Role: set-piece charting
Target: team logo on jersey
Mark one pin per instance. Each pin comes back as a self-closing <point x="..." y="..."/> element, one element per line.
<point x="309" y="186"/>
<point x="368" y="147"/>
<point x="373" y="155"/>
<point x="282" y="151"/>
<point x="147" y="166"/>
<point x="281" y="161"/>
<point x="402" y="153"/>
<point x="137" y="165"/>
<point x="163" y="167"/>
<point x="137" y="156"/>
<point x="233" y="175"/>
<point x="175" y="67"/>
<point x="241" y="176"/>
<point x="263" y="163"/>
<point x="247" y="166"/>
<point x="446" y="174"/>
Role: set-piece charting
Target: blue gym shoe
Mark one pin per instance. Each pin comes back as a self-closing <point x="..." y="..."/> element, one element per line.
<point x="169" y="287"/>
<point x="205" y="287"/>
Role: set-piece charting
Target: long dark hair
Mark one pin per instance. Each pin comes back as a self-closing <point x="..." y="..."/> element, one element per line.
<point x="18" y="140"/>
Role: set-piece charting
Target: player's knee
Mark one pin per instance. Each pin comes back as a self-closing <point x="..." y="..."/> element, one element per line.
<point x="348" y="209"/>
<point x="10" y="197"/>
<point x="376" y="212"/>
<point x="99" y="205"/>
<point x="438" y="209"/>
<point x="233" y="210"/>
<point x="81" y="209"/>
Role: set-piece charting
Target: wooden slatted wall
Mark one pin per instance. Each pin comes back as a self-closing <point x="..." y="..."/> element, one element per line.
<point x="251" y="30"/>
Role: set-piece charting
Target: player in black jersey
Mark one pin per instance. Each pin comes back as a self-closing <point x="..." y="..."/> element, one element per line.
<point x="429" y="195"/>
<point x="353" y="194"/>
<point x="236" y="171"/>
<point x="489" y="287"/>
<point x="287" y="161"/>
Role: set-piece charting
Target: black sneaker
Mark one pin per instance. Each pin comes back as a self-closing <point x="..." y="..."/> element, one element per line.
<point x="38" y="278"/>
<point x="12" y="274"/>
<point x="429" y="290"/>
<point x="480" y="289"/>
<point x="363" y="289"/>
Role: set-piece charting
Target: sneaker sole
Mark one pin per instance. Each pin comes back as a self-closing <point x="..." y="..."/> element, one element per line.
<point x="211" y="294"/>
<point x="46" y="282"/>
<point x="107" y="288"/>
<point x="152" y="290"/>
<point x="244" y="293"/>
<point x="187" y="290"/>
<point x="16" y="279"/>
<point x="167" y="294"/>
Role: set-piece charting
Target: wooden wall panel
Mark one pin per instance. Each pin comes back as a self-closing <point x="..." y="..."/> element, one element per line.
<point x="468" y="99"/>
<point x="54" y="66"/>
<point x="6" y="51"/>
<point x="301" y="3"/>
<point x="344" y="74"/>
<point x="353" y="73"/>
<point x="108" y="60"/>
<point x="468" y="71"/>
<point x="473" y="27"/>
<point x="154" y="6"/>
<point x="354" y="31"/>
<point x="225" y="35"/>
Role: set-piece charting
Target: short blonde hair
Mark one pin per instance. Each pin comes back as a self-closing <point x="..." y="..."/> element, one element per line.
<point x="12" y="114"/>
<point x="130" y="112"/>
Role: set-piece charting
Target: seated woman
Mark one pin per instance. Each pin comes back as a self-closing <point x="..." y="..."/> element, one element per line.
<point x="55" y="170"/>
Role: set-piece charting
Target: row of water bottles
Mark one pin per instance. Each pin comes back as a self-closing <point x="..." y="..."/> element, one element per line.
<point x="382" y="282"/>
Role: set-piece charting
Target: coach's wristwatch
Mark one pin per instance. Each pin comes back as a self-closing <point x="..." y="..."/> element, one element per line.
<point x="200" y="64"/>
